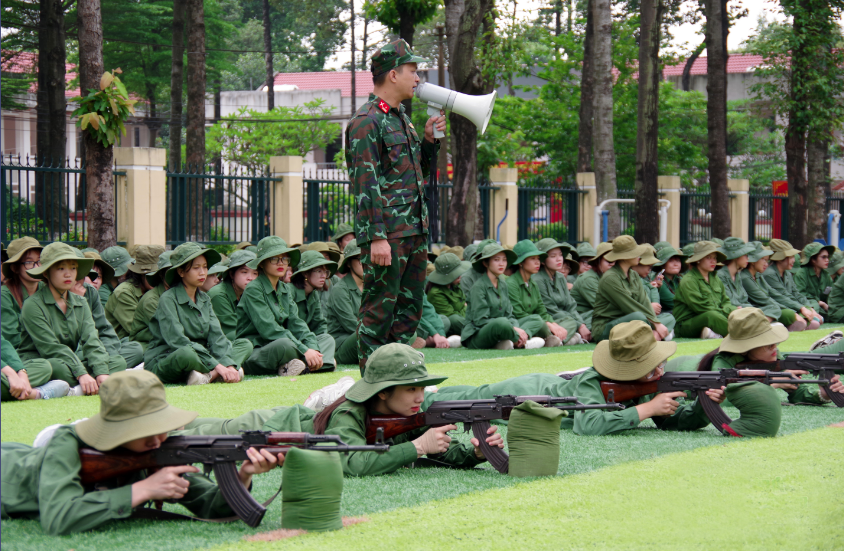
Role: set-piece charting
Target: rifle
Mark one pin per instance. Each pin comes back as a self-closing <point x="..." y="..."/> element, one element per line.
<point x="217" y="453"/>
<point x="822" y="366"/>
<point x="475" y="414"/>
<point x="698" y="382"/>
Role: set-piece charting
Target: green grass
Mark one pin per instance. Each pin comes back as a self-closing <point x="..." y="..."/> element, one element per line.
<point x="420" y="490"/>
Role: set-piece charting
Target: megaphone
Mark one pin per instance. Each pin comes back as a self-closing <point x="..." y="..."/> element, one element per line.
<point x="477" y="109"/>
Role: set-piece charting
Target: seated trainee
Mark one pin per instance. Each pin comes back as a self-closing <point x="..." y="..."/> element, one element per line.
<point x="554" y="290"/>
<point x="468" y="279"/>
<point x="760" y="294"/>
<point x="652" y="286"/>
<point x="812" y="279"/>
<point x="780" y="279"/>
<point x="330" y="252"/>
<point x="343" y="305"/>
<point x="310" y="282"/>
<point x="836" y="265"/>
<point x="27" y="383"/>
<point x="736" y="252"/>
<point x="585" y="289"/>
<point x="149" y="302"/>
<point x="445" y="294"/>
<point x="235" y="276"/>
<point x="119" y="260"/>
<point x="701" y="305"/>
<point x="18" y="285"/>
<point x="670" y="262"/>
<point x="121" y="305"/>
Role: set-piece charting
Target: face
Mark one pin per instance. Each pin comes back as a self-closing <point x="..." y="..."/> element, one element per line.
<point x="673" y="266"/>
<point x="210" y="281"/>
<point x="763" y="353"/>
<point x="404" y="79"/>
<point x="32" y="259"/>
<point x="708" y="263"/>
<point x="404" y="400"/>
<point x="785" y="264"/>
<point x="242" y="277"/>
<point x="531" y="264"/>
<point x="641" y="269"/>
<point x="655" y="373"/>
<point x="195" y="274"/>
<point x="345" y="240"/>
<point x="276" y="266"/>
<point x="62" y="275"/>
<point x="761" y="265"/>
<point x="821" y="260"/>
<point x="604" y="265"/>
<point x="565" y="269"/>
<point x="554" y="261"/>
<point x="140" y="445"/>
<point x="497" y="264"/>
<point x="316" y="277"/>
<point x="356" y="267"/>
<point x="99" y="281"/>
<point x="741" y="262"/>
<point x="584" y="267"/>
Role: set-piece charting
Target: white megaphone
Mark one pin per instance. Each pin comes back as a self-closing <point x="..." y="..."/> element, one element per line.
<point x="477" y="109"/>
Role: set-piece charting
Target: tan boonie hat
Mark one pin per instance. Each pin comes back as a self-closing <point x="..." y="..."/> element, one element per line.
<point x="749" y="328"/>
<point x="16" y="249"/>
<point x="105" y="267"/>
<point x="602" y="250"/>
<point x="631" y="352"/>
<point x="703" y="249"/>
<point x="57" y="252"/>
<point x="146" y="259"/>
<point x="649" y="258"/>
<point x="782" y="249"/>
<point x="133" y="405"/>
<point x="243" y="245"/>
<point x="322" y="247"/>
<point x="624" y="247"/>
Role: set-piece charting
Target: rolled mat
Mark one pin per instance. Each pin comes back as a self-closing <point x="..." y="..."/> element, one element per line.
<point x="760" y="407"/>
<point x="533" y="436"/>
<point x="312" y="484"/>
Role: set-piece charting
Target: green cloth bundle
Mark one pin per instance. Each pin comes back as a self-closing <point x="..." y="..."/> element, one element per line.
<point x="760" y="407"/>
<point x="533" y="436"/>
<point x="312" y="484"/>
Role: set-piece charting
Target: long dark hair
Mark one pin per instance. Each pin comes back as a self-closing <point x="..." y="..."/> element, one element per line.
<point x="14" y="283"/>
<point x="136" y="279"/>
<point x="323" y="417"/>
<point x="706" y="362"/>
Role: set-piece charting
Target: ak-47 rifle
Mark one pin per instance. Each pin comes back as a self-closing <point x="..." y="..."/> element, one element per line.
<point x="698" y="382"/>
<point x="822" y="366"/>
<point x="217" y="453"/>
<point x="475" y="414"/>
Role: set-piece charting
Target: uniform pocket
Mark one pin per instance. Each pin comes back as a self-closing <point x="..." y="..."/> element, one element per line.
<point x="396" y="146"/>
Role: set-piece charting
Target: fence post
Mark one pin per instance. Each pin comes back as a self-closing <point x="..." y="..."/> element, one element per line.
<point x="669" y="188"/>
<point x="505" y="180"/>
<point x="288" y="221"/>
<point x="141" y="198"/>
<point x="739" y="208"/>
<point x="586" y="205"/>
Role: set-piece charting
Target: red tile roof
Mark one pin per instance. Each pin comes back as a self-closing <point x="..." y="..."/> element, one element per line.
<point x="27" y="62"/>
<point x="329" y="80"/>
<point x="736" y="63"/>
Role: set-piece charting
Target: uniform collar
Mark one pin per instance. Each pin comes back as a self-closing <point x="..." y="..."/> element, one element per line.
<point x="377" y="101"/>
<point x="48" y="298"/>
<point x="267" y="286"/>
<point x="183" y="298"/>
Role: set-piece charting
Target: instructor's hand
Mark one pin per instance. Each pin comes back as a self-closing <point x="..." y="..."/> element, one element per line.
<point x="380" y="252"/>
<point x="429" y="126"/>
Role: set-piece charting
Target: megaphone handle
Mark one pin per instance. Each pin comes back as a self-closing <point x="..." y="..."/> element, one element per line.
<point x="434" y="111"/>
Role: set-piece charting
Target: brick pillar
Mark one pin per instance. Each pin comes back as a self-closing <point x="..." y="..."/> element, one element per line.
<point x="288" y="221"/>
<point x="739" y="208"/>
<point x="141" y="196"/>
<point x="586" y="206"/>
<point x="669" y="188"/>
<point x="508" y="192"/>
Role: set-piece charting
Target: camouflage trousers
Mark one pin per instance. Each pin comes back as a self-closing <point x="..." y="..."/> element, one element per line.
<point x="391" y="304"/>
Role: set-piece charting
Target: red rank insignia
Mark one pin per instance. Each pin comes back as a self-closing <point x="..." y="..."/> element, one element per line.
<point x="382" y="105"/>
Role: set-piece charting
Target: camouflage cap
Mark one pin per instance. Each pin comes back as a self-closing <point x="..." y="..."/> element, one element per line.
<point x="391" y="56"/>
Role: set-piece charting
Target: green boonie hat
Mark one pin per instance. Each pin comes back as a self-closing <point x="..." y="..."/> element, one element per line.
<point x="243" y="245"/>
<point x="155" y="276"/>
<point x="661" y="245"/>
<point x="220" y="267"/>
<point x="585" y="251"/>
<point x="447" y="268"/>
<point x="624" y="247"/>
<point x="183" y="254"/>
<point x="393" y="364"/>
<point x="322" y="247"/>
<point x="574" y="264"/>
<point x="146" y="259"/>
<point x="91" y="273"/>
<point x="759" y="252"/>
<point x="488" y="252"/>
<point x="703" y="249"/>
<point x="630" y="352"/>
<point x="665" y="254"/>
<point x="814" y="248"/>
<point x="314" y="259"/>
<point x="343" y="230"/>
<point x="392" y="55"/>
<point x="118" y="258"/>
<point x="133" y="404"/>
<point x="749" y="328"/>
<point x="272" y="246"/>
<point x="17" y="248"/>
<point x="688" y="249"/>
<point x="525" y="249"/>
<point x="718" y="241"/>
<point x="479" y="248"/>
<point x="56" y="252"/>
<point x="351" y="251"/>
<point x="91" y="250"/>
<point x="735" y="247"/>
<point x="238" y="259"/>
<point x="469" y="251"/>
<point x="252" y="249"/>
<point x="105" y="267"/>
<point x="782" y="249"/>
<point x="836" y="262"/>
<point x="550" y="243"/>
<point x="602" y="250"/>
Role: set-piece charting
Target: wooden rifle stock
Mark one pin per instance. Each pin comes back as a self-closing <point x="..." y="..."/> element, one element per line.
<point x="623" y="392"/>
<point x="98" y="466"/>
<point x="393" y="425"/>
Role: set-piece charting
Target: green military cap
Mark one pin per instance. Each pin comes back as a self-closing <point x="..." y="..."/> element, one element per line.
<point x="718" y="241"/>
<point x="661" y="245"/>
<point x="585" y="251"/>
<point x="688" y="249"/>
<point x="702" y="249"/>
<point x="252" y="249"/>
<point x="759" y="252"/>
<point x="525" y="249"/>
<point x="782" y="249"/>
<point x="574" y="264"/>
<point x="392" y="55"/>
<point x="185" y="253"/>
<point x="549" y="243"/>
<point x="322" y="247"/>
<point x="18" y="248"/>
<point x="57" y="252"/>
<point x="469" y="252"/>
<point x="220" y="267"/>
<point x="836" y="262"/>
<point x="479" y="249"/>
<point x="447" y="268"/>
<point x="314" y="259"/>
<point x="631" y="352"/>
<point x="235" y="261"/>
<point x="91" y="273"/>
<point x="665" y="254"/>
<point x="343" y="230"/>
<point x="105" y="267"/>
<point x="813" y="249"/>
<point x="749" y="328"/>
<point x="488" y="252"/>
<point x="735" y="247"/>
<point x="351" y="251"/>
<point x="272" y="246"/>
<point x="118" y="258"/>
<point x="163" y="263"/>
<point x="146" y="259"/>
<point x="393" y="364"/>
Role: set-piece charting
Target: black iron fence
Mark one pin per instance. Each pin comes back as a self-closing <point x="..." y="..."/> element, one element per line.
<point x="695" y="217"/>
<point x="626" y="212"/>
<point x="548" y="211"/>
<point x="768" y="217"/>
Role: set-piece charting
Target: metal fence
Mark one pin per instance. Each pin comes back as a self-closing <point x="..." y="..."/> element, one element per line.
<point x="218" y="209"/>
<point x="768" y="217"/>
<point x="834" y="202"/>
<point x="548" y="211"/>
<point x="45" y="201"/>
<point x="695" y="217"/>
<point x="626" y="212"/>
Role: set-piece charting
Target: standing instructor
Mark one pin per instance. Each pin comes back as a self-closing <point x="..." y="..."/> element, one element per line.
<point x="388" y="163"/>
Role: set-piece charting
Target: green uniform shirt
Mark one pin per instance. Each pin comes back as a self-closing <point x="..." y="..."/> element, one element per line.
<point x="224" y="301"/>
<point x="448" y="300"/>
<point x="430" y="321"/>
<point x="105" y="292"/>
<point x="265" y="314"/>
<point x="668" y="290"/>
<point x="734" y="288"/>
<point x="309" y="308"/>
<point x="105" y="331"/>
<point x="180" y="322"/>
<point x="467" y="280"/>
<point x="487" y="303"/>
<point x="812" y="286"/>
<point x="784" y="289"/>
<point x="555" y="295"/>
<point x="9" y="355"/>
<point x="620" y="295"/>
<point x="44" y="483"/>
<point x="651" y="291"/>
<point x="343" y="307"/>
<point x="47" y="332"/>
<point x="696" y="296"/>
<point x="525" y="298"/>
<point x="10" y="315"/>
<point x="806" y="394"/>
<point x="585" y="291"/>
<point x="120" y="308"/>
<point x="836" y="301"/>
<point x="144" y="314"/>
<point x="348" y="422"/>
<point x="757" y="294"/>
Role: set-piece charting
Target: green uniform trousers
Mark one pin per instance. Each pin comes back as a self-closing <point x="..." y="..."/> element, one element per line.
<point x="132" y="352"/>
<point x="534" y="326"/>
<point x="61" y="371"/>
<point x="175" y="368"/>
<point x="567" y="322"/>
<point x="788" y="317"/>
<point x="667" y="320"/>
<point x="266" y="360"/>
<point x="455" y="324"/>
<point x="495" y="331"/>
<point x="347" y="349"/>
<point x="691" y="329"/>
<point x="38" y="371"/>
<point x="623" y="319"/>
<point x="587" y="318"/>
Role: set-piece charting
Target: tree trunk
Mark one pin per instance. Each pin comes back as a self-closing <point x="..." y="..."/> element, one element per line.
<point x="268" y="56"/>
<point x="364" y="49"/>
<point x="176" y="80"/>
<point x="795" y="141"/>
<point x="152" y="123"/>
<point x="687" y="68"/>
<point x="587" y="96"/>
<point x="407" y="28"/>
<point x="716" y="114"/>
<point x="102" y="232"/>
<point x="605" y="176"/>
<point x="463" y="19"/>
<point x="195" y="131"/>
<point x="817" y="147"/>
<point x="354" y="64"/>
<point x="646" y="207"/>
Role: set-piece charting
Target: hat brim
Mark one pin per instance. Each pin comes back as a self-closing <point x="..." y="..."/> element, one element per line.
<point x="332" y="267"/>
<point x="362" y="391"/>
<point x="631" y="370"/>
<point x="9" y="260"/>
<point x="294" y="253"/>
<point x="212" y="256"/>
<point x="775" y="335"/>
<point x="440" y="278"/>
<point x="828" y="248"/>
<point x="782" y="255"/>
<point x="107" y="435"/>
<point x="83" y="266"/>
<point x="340" y="236"/>
<point x="108" y="271"/>
<point x="218" y="268"/>
<point x="542" y="256"/>
<point x="719" y="256"/>
<point x="756" y="257"/>
<point x="636" y="252"/>
<point x="478" y="263"/>
<point x="678" y="254"/>
<point x="344" y="265"/>
<point x="142" y="268"/>
<point x="746" y="249"/>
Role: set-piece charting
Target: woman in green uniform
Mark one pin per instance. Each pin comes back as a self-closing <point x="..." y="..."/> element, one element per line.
<point x="735" y="250"/>
<point x="328" y="253"/>
<point x="27" y="383"/>
<point x="134" y="416"/>
<point x="759" y="293"/>
<point x="585" y="252"/>
<point x="468" y="279"/>
<point x="236" y="275"/>
<point x="268" y="317"/>
<point x="780" y="279"/>
<point x="554" y="290"/>
<point x="149" y="302"/>
<point x="490" y="322"/>
<point x="652" y="283"/>
<point x="670" y="260"/>
<point x="121" y="305"/>
<point x="585" y="289"/>
<point x="188" y="345"/>
<point x="836" y="265"/>
<point x="701" y="305"/>
<point x="18" y="285"/>
<point x="445" y="293"/>
<point x="57" y="325"/>
<point x="343" y="305"/>
<point x="393" y="384"/>
<point x="308" y="286"/>
<point x="119" y="260"/>
<point x="343" y="236"/>
<point x="104" y="271"/>
<point x="812" y="279"/>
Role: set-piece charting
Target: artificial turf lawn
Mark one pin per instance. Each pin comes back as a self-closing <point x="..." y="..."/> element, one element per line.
<point x="406" y="488"/>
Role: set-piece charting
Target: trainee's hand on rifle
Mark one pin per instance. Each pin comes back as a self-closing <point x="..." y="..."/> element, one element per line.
<point x="836" y="385"/>
<point x="429" y="126"/>
<point x="494" y="440"/>
<point x="313" y="358"/>
<point x="787" y="386"/>
<point x="717" y="395"/>
<point x="89" y="385"/>
<point x="260" y="461"/>
<point x="663" y="404"/>
<point x="166" y="483"/>
<point x="434" y="441"/>
<point x="380" y="253"/>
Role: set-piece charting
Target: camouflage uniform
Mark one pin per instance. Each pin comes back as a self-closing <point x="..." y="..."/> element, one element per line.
<point x="385" y="156"/>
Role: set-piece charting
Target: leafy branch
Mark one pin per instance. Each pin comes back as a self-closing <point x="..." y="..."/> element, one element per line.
<point x="104" y="110"/>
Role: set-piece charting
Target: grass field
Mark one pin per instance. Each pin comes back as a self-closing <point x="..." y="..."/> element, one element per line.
<point x="732" y="492"/>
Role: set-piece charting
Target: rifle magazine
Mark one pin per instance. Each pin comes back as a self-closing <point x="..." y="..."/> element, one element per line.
<point x="239" y="499"/>
<point x="714" y="412"/>
<point x="497" y="457"/>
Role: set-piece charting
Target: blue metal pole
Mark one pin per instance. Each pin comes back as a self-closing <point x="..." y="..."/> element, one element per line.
<point x="605" y="222"/>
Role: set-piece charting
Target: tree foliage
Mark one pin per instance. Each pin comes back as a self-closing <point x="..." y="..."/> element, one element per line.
<point x="104" y="110"/>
